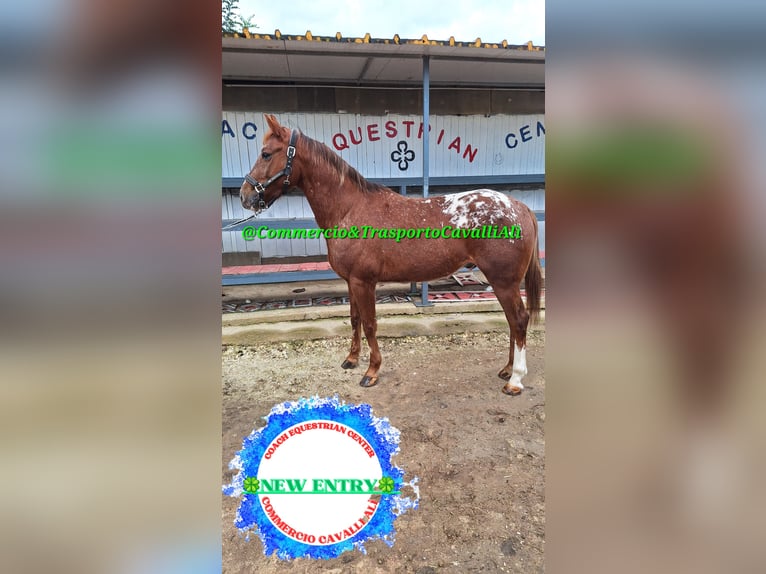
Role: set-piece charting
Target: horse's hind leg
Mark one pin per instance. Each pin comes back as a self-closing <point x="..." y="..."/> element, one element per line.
<point x="356" y="336"/>
<point x="518" y="318"/>
<point x="363" y="295"/>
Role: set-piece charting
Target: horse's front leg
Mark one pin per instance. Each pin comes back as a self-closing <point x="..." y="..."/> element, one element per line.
<point x="356" y="335"/>
<point x="363" y="296"/>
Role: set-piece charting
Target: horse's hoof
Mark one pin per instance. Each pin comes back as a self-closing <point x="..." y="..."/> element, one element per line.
<point x="349" y="365"/>
<point x="505" y="375"/>
<point x="368" y="381"/>
<point x="513" y="391"/>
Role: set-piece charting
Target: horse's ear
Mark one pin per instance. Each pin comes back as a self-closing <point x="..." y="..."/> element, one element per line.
<point x="274" y="126"/>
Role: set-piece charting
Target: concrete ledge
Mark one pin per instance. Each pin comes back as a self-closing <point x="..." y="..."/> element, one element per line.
<point x="240" y="258"/>
<point x="333" y="311"/>
<point x="389" y="325"/>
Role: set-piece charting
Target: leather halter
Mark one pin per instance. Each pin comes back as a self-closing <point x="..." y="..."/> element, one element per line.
<point x="260" y="188"/>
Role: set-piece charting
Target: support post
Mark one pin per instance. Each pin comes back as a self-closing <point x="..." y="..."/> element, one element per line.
<point x="424" y="302"/>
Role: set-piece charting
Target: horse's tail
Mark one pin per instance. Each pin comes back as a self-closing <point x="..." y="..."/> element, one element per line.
<point x="533" y="280"/>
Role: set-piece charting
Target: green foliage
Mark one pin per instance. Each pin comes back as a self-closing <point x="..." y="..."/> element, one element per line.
<point x="231" y="21"/>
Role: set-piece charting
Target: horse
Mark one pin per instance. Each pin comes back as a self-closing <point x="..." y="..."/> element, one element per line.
<point x="379" y="248"/>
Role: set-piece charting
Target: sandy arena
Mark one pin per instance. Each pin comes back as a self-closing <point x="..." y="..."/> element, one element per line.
<point x="478" y="453"/>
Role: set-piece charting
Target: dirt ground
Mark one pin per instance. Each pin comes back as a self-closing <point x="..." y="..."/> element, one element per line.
<point x="478" y="453"/>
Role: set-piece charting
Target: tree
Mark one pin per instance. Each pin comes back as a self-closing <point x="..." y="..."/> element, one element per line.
<point x="231" y="21"/>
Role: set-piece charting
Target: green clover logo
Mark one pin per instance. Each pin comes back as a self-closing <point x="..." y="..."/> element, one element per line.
<point x="386" y="485"/>
<point x="251" y="485"/>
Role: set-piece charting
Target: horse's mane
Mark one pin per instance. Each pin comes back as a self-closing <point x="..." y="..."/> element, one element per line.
<point x="322" y="153"/>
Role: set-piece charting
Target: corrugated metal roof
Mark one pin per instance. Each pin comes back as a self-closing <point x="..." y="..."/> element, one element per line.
<point x="397" y="40"/>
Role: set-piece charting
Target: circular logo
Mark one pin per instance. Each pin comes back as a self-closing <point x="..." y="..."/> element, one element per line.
<point x="318" y="482"/>
<point x="318" y="479"/>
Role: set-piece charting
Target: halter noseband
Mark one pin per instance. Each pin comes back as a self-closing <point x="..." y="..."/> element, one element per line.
<point x="260" y="188"/>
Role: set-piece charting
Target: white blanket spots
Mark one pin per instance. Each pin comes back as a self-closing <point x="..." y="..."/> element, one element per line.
<point x="472" y="209"/>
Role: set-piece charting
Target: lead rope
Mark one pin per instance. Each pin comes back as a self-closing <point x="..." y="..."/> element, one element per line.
<point x="238" y="222"/>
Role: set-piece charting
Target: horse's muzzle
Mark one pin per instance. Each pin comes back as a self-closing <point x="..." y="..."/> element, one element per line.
<point x="248" y="202"/>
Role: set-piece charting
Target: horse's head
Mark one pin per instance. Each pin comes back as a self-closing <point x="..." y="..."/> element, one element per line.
<point x="270" y="176"/>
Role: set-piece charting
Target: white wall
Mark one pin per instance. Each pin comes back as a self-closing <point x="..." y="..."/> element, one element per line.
<point x="459" y="145"/>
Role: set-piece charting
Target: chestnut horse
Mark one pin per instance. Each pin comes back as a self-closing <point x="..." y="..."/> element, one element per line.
<point x="340" y="196"/>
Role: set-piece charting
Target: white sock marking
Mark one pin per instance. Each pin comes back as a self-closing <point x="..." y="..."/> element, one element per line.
<point x="519" y="366"/>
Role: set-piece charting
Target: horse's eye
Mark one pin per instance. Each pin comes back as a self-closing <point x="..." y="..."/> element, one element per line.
<point x="265" y="155"/>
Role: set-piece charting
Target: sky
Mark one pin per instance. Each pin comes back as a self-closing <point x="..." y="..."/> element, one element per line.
<point x="517" y="21"/>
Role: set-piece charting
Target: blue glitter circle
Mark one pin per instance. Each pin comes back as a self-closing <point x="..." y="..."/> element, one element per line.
<point x="378" y="432"/>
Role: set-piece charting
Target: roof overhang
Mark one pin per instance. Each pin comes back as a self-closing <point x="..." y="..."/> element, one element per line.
<point x="307" y="62"/>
